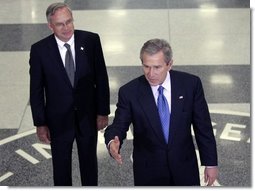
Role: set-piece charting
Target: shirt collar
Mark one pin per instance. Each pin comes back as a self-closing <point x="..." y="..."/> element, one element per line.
<point x="166" y="83"/>
<point x="61" y="43"/>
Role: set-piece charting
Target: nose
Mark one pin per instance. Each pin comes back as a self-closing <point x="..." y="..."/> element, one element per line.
<point x="65" y="25"/>
<point x="151" y="71"/>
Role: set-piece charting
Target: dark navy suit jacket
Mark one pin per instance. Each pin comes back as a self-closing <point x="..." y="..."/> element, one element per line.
<point x="153" y="159"/>
<point x="53" y="99"/>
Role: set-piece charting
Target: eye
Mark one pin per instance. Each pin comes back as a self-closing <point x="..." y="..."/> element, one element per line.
<point x="59" y="24"/>
<point x="145" y="66"/>
<point x="157" y="67"/>
<point x="69" y="21"/>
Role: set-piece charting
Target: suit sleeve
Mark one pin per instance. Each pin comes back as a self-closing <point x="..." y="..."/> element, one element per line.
<point x="102" y="83"/>
<point x="203" y="128"/>
<point x="121" y="121"/>
<point x="37" y="98"/>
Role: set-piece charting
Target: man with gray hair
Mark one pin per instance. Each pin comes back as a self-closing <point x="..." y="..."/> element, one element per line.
<point x="162" y="105"/>
<point x="69" y="94"/>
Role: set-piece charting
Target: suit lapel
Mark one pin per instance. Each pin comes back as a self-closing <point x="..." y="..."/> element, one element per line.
<point x="81" y="55"/>
<point x="78" y="61"/>
<point x="56" y="58"/>
<point x="149" y="107"/>
<point x="177" y="102"/>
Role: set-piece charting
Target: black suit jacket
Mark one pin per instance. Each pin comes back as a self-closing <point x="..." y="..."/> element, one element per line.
<point x="53" y="99"/>
<point x="153" y="159"/>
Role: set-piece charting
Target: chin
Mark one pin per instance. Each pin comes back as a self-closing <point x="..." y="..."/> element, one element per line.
<point x="153" y="83"/>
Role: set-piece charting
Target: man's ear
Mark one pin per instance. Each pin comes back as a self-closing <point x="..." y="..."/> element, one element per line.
<point x="170" y="64"/>
<point x="50" y="27"/>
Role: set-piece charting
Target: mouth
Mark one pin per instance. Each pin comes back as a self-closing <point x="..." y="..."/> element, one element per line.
<point x="67" y="33"/>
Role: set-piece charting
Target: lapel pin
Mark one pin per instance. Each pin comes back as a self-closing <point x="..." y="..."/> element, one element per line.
<point x="82" y="48"/>
<point x="180" y="97"/>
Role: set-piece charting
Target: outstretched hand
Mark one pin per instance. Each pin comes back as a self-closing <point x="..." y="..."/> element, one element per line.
<point x="114" y="149"/>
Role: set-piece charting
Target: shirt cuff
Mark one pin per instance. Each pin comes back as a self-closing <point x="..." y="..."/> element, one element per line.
<point x="108" y="145"/>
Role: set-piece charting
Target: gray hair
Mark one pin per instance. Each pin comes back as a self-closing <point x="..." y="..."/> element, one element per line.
<point x="154" y="46"/>
<point x="54" y="7"/>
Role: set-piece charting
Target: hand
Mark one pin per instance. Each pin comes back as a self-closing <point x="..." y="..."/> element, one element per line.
<point x="43" y="134"/>
<point x="102" y="122"/>
<point x="114" y="148"/>
<point x="210" y="175"/>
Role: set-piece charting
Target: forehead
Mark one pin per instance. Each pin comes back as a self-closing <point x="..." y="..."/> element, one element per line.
<point x="61" y="13"/>
<point x="153" y="58"/>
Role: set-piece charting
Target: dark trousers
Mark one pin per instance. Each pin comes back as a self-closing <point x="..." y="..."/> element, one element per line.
<point x="62" y="159"/>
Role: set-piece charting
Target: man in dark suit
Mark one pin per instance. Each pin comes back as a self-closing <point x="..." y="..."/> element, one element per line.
<point x="69" y="107"/>
<point x="159" y="160"/>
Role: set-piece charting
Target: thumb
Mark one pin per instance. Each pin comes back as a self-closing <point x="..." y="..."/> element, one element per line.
<point x="114" y="150"/>
<point x="116" y="140"/>
<point x="116" y="144"/>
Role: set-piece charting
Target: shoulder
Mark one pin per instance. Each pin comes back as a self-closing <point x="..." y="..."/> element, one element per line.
<point x="183" y="76"/>
<point x="88" y="34"/>
<point x="185" y="80"/>
<point x="87" y="38"/>
<point x="132" y="85"/>
<point x="44" y="41"/>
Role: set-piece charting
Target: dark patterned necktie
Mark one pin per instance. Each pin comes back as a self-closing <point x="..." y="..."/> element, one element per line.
<point x="69" y="64"/>
<point x="164" y="113"/>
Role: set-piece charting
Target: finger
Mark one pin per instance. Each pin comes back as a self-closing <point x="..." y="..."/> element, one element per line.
<point x="114" y="150"/>
<point x="116" y="140"/>
<point x="101" y="126"/>
<point x="115" y="154"/>
<point x="45" y="140"/>
<point x="118" y="158"/>
<point x="49" y="139"/>
<point x="205" y="178"/>
<point x="210" y="181"/>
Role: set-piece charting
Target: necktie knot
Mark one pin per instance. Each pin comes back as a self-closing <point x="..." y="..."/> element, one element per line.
<point x="160" y="90"/>
<point x="67" y="46"/>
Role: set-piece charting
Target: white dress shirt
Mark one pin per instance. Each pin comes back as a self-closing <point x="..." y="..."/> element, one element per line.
<point x="167" y="90"/>
<point x="63" y="49"/>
